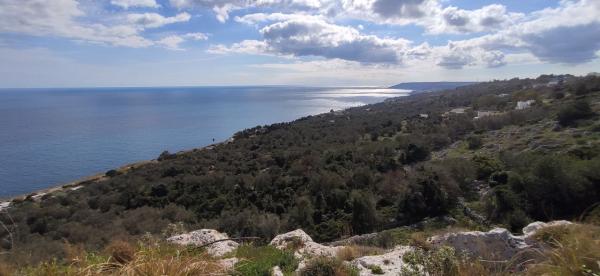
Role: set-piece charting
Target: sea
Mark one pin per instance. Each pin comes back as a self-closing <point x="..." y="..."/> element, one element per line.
<point x="53" y="136"/>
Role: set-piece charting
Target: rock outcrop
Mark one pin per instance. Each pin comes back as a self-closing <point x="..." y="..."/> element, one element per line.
<point x="390" y="263"/>
<point x="203" y="237"/>
<point x="533" y="227"/>
<point x="229" y="263"/>
<point x="303" y="245"/>
<point x="496" y="244"/>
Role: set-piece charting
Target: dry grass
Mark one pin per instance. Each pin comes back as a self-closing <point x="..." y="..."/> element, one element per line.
<point x="120" y="251"/>
<point x="419" y="239"/>
<point x="122" y="258"/>
<point x="574" y="252"/>
<point x="155" y="259"/>
<point x="352" y="252"/>
<point x="6" y="270"/>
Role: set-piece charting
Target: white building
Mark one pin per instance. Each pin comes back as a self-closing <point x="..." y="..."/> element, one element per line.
<point x="524" y="104"/>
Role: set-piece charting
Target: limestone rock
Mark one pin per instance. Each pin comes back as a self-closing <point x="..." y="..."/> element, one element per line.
<point x="533" y="227"/>
<point x="205" y="236"/>
<point x="290" y="239"/>
<point x="303" y="245"/>
<point x="276" y="271"/>
<point x="390" y="263"/>
<point x="497" y="244"/>
<point x="229" y="263"/>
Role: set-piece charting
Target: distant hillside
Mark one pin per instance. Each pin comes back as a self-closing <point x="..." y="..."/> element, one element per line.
<point x="430" y="86"/>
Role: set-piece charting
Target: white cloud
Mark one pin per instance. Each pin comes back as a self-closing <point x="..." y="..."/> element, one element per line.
<point x="63" y="18"/>
<point x="389" y="11"/>
<point x="126" y="4"/>
<point x="155" y="20"/>
<point x="196" y="36"/>
<point x="222" y="8"/>
<point x="173" y="42"/>
<point x="59" y="18"/>
<point x="488" y="18"/>
<point x="312" y="36"/>
<point x="255" y="18"/>
<point x="253" y="47"/>
<point x="565" y="34"/>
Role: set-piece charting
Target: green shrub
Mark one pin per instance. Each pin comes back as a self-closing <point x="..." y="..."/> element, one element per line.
<point x="375" y="269"/>
<point x="258" y="261"/>
<point x="322" y="266"/>
<point x="442" y="261"/>
<point x="474" y="142"/>
<point x="574" y="111"/>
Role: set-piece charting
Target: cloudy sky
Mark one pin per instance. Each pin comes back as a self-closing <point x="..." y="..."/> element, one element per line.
<point x="73" y="43"/>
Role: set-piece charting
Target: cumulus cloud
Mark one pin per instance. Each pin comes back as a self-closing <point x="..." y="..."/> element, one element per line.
<point x="155" y="20"/>
<point x="566" y="34"/>
<point x="222" y="8"/>
<point x="126" y="4"/>
<point x="59" y="18"/>
<point x="255" y="18"/>
<point x="488" y="18"/>
<point x="253" y="47"/>
<point x="312" y="36"/>
<point x="172" y="42"/>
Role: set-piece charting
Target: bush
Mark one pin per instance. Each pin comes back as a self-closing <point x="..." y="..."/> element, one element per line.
<point x="474" y="142"/>
<point x="112" y="173"/>
<point x="415" y="153"/>
<point x="364" y="215"/>
<point x="575" y="111"/>
<point x="259" y="261"/>
<point x="443" y="261"/>
<point x="121" y="251"/>
<point x="348" y="253"/>
<point x="322" y="266"/>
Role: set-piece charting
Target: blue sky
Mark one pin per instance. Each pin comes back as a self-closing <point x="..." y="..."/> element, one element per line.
<point x="73" y="43"/>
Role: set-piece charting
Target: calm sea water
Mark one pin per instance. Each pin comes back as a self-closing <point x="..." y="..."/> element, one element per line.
<point x="53" y="136"/>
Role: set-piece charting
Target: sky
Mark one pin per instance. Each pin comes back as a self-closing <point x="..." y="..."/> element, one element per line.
<point x="109" y="43"/>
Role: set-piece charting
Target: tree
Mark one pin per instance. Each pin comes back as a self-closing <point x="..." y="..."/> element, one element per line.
<point x="474" y="142"/>
<point x="364" y="215"/>
<point x="575" y="111"/>
<point x="415" y="153"/>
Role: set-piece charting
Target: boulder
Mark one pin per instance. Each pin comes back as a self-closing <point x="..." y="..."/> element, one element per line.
<point x="229" y="263"/>
<point x="206" y="236"/>
<point x="390" y="263"/>
<point x="291" y="239"/>
<point x="533" y="227"/>
<point x="497" y="244"/>
<point x="303" y="245"/>
<point x="276" y="271"/>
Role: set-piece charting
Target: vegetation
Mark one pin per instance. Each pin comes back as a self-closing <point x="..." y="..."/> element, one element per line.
<point x="376" y="168"/>
<point x="257" y="261"/>
<point x="323" y="266"/>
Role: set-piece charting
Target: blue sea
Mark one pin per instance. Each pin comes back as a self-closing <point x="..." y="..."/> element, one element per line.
<point x="54" y="136"/>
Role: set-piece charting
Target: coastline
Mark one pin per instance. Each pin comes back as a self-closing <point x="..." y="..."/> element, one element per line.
<point x="69" y="186"/>
<point x="79" y="183"/>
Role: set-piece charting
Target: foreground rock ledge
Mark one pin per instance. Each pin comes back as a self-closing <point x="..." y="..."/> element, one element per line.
<point x="496" y="244"/>
<point x="205" y="236"/>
